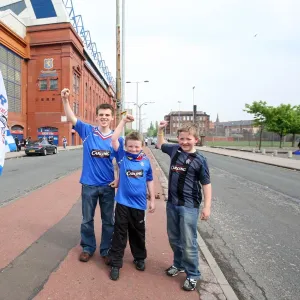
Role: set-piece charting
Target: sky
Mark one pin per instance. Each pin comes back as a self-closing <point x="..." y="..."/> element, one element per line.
<point x="233" y="52"/>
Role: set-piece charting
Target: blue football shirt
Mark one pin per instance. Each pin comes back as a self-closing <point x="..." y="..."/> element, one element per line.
<point x="97" y="169"/>
<point x="187" y="171"/>
<point x="135" y="171"/>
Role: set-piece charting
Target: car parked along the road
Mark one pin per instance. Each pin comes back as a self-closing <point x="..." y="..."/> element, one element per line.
<point x="40" y="147"/>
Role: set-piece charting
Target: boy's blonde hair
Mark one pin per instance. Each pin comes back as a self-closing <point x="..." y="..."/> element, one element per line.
<point x="134" y="136"/>
<point x="191" y="129"/>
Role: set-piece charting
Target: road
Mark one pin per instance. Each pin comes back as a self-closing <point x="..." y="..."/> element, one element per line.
<point x="253" y="232"/>
<point x="22" y="175"/>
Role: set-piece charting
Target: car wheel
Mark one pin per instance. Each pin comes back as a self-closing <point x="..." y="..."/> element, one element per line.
<point x="45" y="152"/>
<point x="55" y="151"/>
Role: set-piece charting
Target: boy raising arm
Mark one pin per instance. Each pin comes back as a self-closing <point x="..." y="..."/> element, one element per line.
<point x="188" y="167"/>
<point x="97" y="176"/>
<point x="135" y="176"/>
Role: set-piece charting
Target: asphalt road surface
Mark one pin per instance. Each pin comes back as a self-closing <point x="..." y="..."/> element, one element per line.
<point x="22" y="175"/>
<point x="254" y="230"/>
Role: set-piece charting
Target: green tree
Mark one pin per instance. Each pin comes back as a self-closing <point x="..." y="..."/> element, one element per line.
<point x="150" y="130"/>
<point x="154" y="133"/>
<point x="280" y="120"/>
<point x="295" y="124"/>
<point x="261" y="113"/>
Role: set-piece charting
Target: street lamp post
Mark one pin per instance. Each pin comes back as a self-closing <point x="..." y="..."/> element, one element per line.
<point x="193" y="104"/>
<point x="137" y="96"/>
<point x="139" y="107"/>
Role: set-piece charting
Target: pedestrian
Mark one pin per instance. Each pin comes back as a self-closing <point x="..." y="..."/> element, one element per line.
<point x="188" y="174"/>
<point x="299" y="145"/>
<point x="135" y="178"/>
<point x="97" y="177"/>
<point x="64" y="140"/>
<point x="18" y="144"/>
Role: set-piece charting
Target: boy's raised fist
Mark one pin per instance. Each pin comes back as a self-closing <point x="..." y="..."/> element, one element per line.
<point x="162" y="124"/>
<point x="128" y="118"/>
<point x="65" y="93"/>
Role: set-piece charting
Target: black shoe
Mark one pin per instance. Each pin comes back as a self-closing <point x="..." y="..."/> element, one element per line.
<point x="189" y="284"/>
<point x="173" y="271"/>
<point x="114" y="273"/>
<point x="139" y="264"/>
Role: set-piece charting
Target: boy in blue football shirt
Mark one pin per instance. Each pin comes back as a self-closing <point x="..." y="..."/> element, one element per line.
<point x="97" y="177"/>
<point x="188" y="175"/>
<point x="135" y="176"/>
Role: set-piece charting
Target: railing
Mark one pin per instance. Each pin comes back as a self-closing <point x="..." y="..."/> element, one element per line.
<point x="77" y="23"/>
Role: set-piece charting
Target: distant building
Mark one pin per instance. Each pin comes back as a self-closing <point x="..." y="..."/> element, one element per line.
<point x="231" y="128"/>
<point x="177" y="119"/>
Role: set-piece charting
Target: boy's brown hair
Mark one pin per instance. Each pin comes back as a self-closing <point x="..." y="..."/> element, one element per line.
<point x="191" y="129"/>
<point x="105" y="106"/>
<point x="134" y="136"/>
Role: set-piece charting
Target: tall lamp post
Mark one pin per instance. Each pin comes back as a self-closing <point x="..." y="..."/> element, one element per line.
<point x="137" y="96"/>
<point x="139" y="107"/>
<point x="193" y="104"/>
<point x="179" y="114"/>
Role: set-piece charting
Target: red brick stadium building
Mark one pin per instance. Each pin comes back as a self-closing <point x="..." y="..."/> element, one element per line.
<point x="41" y="53"/>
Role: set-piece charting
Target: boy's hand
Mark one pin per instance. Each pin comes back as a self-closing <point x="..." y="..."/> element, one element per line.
<point x="65" y="93"/>
<point x="205" y="213"/>
<point x="162" y="124"/>
<point x="152" y="206"/>
<point x="114" y="184"/>
<point x="128" y="118"/>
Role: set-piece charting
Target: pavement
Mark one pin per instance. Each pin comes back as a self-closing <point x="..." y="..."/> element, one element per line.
<point x="40" y="248"/>
<point x="253" y="231"/>
<point x="21" y="153"/>
<point x="255" y="157"/>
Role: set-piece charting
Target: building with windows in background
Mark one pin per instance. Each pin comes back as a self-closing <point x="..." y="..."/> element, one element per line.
<point x="40" y="54"/>
<point x="177" y="119"/>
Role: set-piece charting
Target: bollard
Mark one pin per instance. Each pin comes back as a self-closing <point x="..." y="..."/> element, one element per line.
<point x="263" y="151"/>
<point x="275" y="152"/>
<point x="253" y="150"/>
<point x="290" y="154"/>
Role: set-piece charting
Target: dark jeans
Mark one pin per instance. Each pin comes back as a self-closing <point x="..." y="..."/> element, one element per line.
<point x="182" y="233"/>
<point x="129" y="221"/>
<point x="90" y="196"/>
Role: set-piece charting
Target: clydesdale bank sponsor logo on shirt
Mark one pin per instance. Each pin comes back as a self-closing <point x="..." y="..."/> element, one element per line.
<point x="135" y="173"/>
<point x="178" y="169"/>
<point x="100" y="153"/>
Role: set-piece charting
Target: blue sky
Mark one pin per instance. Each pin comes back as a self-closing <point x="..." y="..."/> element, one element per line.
<point x="209" y="44"/>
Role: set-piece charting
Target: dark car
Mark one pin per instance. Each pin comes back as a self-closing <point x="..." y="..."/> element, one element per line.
<point x="40" y="147"/>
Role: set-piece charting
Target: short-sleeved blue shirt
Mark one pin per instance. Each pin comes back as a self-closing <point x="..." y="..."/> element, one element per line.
<point x="187" y="171"/>
<point x="97" y="169"/>
<point x="135" y="171"/>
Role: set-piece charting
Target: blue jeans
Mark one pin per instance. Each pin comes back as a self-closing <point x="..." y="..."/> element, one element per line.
<point x="182" y="233"/>
<point x="90" y="195"/>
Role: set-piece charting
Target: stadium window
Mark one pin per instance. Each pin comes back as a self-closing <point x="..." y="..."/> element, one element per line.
<point x="10" y="66"/>
<point x="43" y="86"/>
<point x="53" y="84"/>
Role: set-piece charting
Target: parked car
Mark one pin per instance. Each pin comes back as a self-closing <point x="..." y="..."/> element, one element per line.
<point x="154" y="141"/>
<point x="40" y="147"/>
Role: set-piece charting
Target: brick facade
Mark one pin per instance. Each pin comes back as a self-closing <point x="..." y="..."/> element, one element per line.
<point x="54" y="58"/>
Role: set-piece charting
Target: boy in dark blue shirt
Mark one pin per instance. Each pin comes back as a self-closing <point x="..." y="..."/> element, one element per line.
<point x="97" y="177"/>
<point x="188" y="169"/>
<point x="134" y="179"/>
